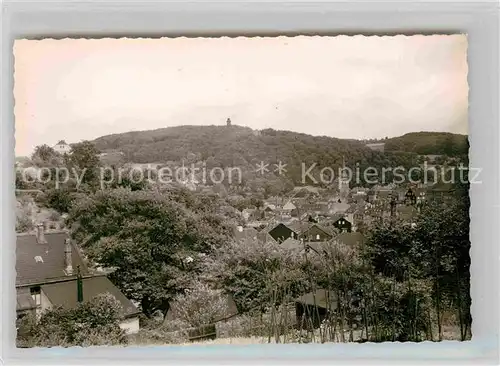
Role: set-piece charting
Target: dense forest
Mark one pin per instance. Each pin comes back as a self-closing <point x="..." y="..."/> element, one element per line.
<point x="241" y="146"/>
<point x="429" y="143"/>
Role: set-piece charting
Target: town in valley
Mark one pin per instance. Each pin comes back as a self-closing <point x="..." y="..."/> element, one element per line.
<point x="269" y="257"/>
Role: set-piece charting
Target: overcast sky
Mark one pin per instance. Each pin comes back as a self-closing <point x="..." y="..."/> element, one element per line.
<point x="346" y="87"/>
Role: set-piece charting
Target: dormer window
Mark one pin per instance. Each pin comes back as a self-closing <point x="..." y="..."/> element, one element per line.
<point x="38" y="259"/>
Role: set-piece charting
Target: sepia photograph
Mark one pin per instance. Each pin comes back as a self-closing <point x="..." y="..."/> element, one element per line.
<point x="242" y="190"/>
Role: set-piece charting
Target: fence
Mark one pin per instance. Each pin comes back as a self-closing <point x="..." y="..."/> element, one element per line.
<point x="395" y="315"/>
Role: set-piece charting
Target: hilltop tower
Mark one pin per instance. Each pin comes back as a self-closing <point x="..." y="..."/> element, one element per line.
<point x="228" y="122"/>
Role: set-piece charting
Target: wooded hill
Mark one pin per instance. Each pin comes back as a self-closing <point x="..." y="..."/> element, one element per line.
<point x="227" y="146"/>
<point x="430" y="143"/>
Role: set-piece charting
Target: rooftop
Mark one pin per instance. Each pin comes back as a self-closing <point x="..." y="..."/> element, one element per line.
<point x="38" y="263"/>
<point x="65" y="293"/>
<point x="321" y="298"/>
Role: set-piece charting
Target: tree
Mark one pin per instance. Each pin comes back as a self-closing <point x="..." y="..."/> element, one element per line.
<point x="45" y="156"/>
<point x="23" y="180"/>
<point x="251" y="270"/>
<point x="24" y="220"/>
<point x="200" y="305"/>
<point x="84" y="157"/>
<point x="436" y="249"/>
<point x="147" y="236"/>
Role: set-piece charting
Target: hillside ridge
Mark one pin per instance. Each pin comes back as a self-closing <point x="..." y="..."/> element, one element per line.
<point x="174" y="143"/>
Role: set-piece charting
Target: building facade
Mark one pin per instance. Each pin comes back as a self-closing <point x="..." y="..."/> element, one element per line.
<point x="62" y="147"/>
<point x="49" y="266"/>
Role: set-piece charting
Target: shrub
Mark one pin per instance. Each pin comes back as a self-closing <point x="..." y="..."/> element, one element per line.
<point x="251" y="271"/>
<point x="200" y="305"/>
<point x="171" y="332"/>
<point x="92" y="323"/>
<point x="24" y="223"/>
<point x="54" y="216"/>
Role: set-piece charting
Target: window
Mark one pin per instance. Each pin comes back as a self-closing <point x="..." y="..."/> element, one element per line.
<point x="21" y="316"/>
<point x="36" y="295"/>
<point x="317" y="237"/>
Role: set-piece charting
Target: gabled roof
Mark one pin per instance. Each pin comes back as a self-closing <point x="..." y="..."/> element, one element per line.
<point x="277" y="201"/>
<point x="340" y="207"/>
<point x="318" y="247"/>
<point x="65" y="293"/>
<point x="343" y="220"/>
<point x="320" y="227"/>
<point x="299" y="226"/>
<point x="24" y="301"/>
<point x="51" y="266"/>
<point x="314" y="207"/>
<point x="278" y="230"/>
<point x="335" y="217"/>
<point x="279" y="224"/>
<point x="246" y="233"/>
<point x="269" y="226"/>
<point x="289" y="206"/>
<point x="306" y="188"/>
<point x="292" y="244"/>
<point x="264" y="237"/>
<point x="321" y="298"/>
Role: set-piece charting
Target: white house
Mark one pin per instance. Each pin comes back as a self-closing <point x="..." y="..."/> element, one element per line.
<point x="62" y="147"/>
<point x="288" y="208"/>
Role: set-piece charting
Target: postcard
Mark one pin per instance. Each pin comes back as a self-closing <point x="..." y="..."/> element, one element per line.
<point x="306" y="189"/>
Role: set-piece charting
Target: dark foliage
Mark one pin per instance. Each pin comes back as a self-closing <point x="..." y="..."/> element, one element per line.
<point x="239" y="146"/>
<point x="429" y="143"/>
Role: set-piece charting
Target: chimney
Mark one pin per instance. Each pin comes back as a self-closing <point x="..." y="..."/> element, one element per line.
<point x="40" y="234"/>
<point x="68" y="261"/>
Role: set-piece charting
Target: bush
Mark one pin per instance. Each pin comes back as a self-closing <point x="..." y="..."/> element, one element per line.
<point x="172" y="332"/>
<point x="246" y="325"/>
<point x="200" y="305"/>
<point x="24" y="220"/>
<point x="24" y="223"/>
<point x="92" y="323"/>
<point x="251" y="271"/>
<point x="54" y="216"/>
